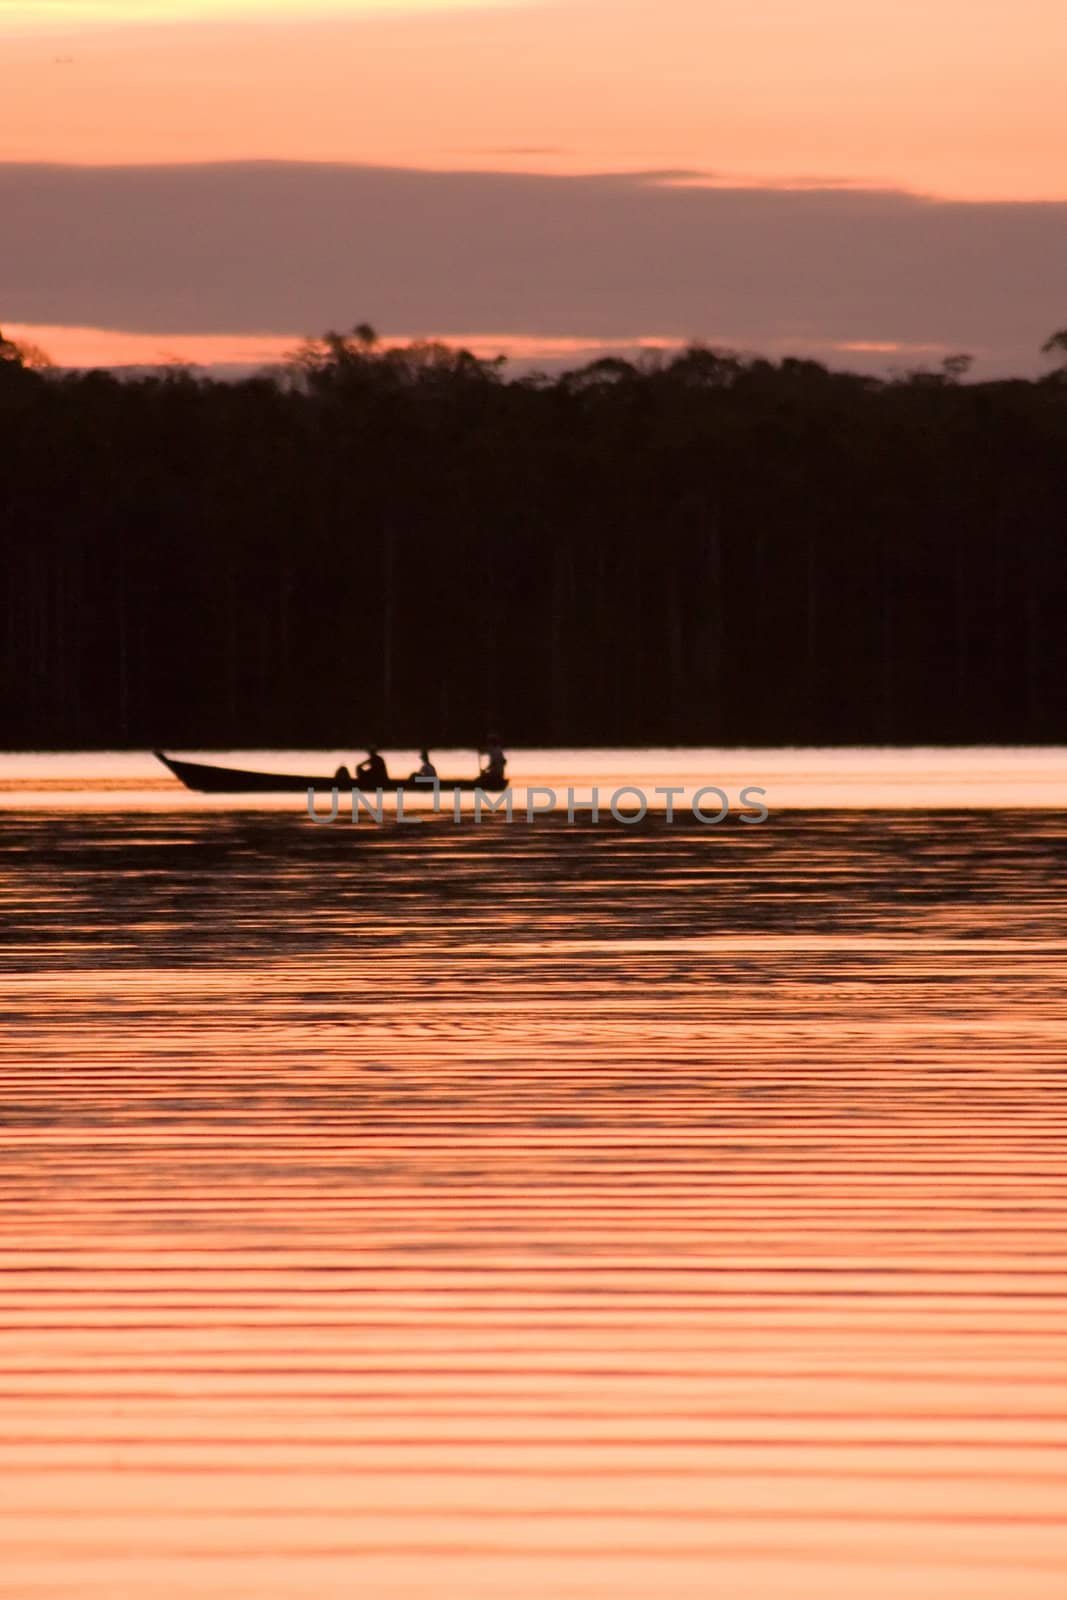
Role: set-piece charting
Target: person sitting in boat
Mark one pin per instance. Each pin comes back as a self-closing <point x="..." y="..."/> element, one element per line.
<point x="372" y="774"/>
<point x="342" y="777"/>
<point x="492" y="774"/>
<point x="427" y="772"/>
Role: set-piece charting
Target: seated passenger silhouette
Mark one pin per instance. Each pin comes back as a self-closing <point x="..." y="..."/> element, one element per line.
<point x="492" y="774"/>
<point x="427" y="772"/>
<point x="372" y="774"/>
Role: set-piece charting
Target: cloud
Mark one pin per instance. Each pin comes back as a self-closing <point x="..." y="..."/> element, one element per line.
<point x="273" y="247"/>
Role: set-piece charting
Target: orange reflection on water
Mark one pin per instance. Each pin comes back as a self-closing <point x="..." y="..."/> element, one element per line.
<point x="532" y="1211"/>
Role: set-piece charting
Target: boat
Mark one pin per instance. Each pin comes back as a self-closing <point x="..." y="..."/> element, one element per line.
<point x="234" y="780"/>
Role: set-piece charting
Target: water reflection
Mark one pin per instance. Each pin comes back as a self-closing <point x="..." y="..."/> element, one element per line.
<point x="532" y="1211"/>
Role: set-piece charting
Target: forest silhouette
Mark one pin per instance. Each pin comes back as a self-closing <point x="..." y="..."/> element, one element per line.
<point x="406" y="546"/>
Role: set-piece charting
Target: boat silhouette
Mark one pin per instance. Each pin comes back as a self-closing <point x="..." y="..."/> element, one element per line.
<point x="208" y="779"/>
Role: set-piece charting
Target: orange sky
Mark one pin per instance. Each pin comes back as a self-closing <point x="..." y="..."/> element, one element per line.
<point x="87" y="347"/>
<point x="955" y="98"/>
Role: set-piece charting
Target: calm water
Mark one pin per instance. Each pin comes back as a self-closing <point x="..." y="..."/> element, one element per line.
<point x="537" y="1211"/>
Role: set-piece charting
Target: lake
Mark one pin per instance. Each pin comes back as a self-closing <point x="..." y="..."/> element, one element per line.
<point x="550" y="1210"/>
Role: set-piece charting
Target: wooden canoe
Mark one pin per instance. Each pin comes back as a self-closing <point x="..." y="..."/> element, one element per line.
<point x="233" y="780"/>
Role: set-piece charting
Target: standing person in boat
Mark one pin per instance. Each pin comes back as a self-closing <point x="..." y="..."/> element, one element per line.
<point x="492" y="774"/>
<point x="372" y="773"/>
<point x="427" y="771"/>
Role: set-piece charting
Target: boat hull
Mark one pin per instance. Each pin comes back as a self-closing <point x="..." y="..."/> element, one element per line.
<point x="206" y="779"/>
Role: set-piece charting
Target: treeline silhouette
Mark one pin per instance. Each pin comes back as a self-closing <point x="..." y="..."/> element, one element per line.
<point x="405" y="546"/>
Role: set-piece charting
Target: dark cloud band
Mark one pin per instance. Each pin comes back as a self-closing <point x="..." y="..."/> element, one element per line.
<point x="267" y="247"/>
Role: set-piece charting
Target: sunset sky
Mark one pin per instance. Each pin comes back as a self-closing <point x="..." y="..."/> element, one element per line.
<point x="878" y="184"/>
